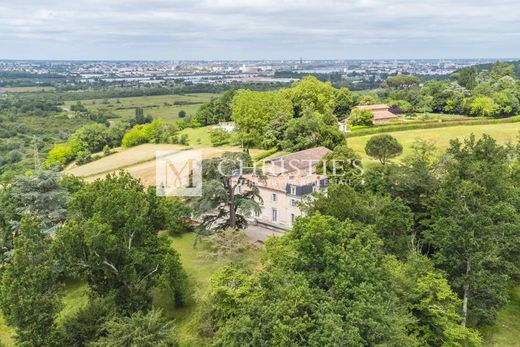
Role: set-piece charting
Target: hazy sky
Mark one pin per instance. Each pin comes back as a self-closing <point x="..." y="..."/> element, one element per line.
<point x="258" y="29"/>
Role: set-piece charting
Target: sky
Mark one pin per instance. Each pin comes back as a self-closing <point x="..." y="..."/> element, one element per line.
<point x="258" y="29"/>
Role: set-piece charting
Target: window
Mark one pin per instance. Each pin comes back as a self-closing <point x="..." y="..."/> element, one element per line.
<point x="273" y="198"/>
<point x="293" y="218"/>
<point x="275" y="215"/>
<point x="314" y="188"/>
<point x="293" y="190"/>
<point x="293" y="202"/>
<point x="239" y="189"/>
<point x="258" y="213"/>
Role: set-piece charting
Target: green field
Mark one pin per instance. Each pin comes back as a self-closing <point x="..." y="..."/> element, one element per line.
<point x="506" y="331"/>
<point x="34" y="89"/>
<point x="198" y="137"/>
<point x="164" y="107"/>
<point x="503" y="133"/>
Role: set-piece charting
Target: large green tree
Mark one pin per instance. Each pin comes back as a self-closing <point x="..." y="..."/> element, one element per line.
<point x="310" y="94"/>
<point x="383" y="147"/>
<point x="228" y="197"/>
<point x="29" y="288"/>
<point x="41" y="194"/>
<point x="475" y="226"/>
<point x="345" y="100"/>
<point x="323" y="283"/>
<point x="111" y="240"/>
<point x="252" y="111"/>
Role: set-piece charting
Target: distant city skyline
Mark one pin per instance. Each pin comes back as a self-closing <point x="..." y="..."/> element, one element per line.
<point x="258" y="29"/>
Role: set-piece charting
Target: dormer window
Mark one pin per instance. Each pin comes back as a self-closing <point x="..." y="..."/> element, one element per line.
<point x="293" y="190"/>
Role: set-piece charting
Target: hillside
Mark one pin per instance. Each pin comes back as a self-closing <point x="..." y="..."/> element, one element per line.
<point x="503" y="133"/>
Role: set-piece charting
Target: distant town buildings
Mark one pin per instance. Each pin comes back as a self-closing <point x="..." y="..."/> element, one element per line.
<point x="224" y="71"/>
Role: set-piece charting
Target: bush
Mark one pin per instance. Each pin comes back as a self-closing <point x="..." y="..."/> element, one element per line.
<point x="361" y="117"/>
<point x="218" y="137"/>
<point x="87" y="324"/>
<point x="184" y="140"/>
<point x="60" y="155"/>
<point x="134" y="137"/>
<point x="107" y="150"/>
<point x="83" y="157"/>
<point x="14" y="156"/>
<point x="484" y="106"/>
<point x="182" y="114"/>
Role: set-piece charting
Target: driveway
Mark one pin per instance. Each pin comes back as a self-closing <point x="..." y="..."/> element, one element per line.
<point x="260" y="233"/>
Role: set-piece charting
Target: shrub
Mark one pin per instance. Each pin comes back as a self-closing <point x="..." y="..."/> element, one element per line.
<point x="134" y="137"/>
<point x="14" y="156"/>
<point x="60" y="155"/>
<point x="218" y="137"/>
<point x="83" y="157"/>
<point x="184" y="140"/>
<point x="484" y="106"/>
<point x="361" y="117"/>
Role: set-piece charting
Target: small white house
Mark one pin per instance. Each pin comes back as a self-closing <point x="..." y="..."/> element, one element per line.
<point x="342" y="126"/>
<point x="227" y="126"/>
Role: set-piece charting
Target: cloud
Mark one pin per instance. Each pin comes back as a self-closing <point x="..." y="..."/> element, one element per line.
<point x="248" y="29"/>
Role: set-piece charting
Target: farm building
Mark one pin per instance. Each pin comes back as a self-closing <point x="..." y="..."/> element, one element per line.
<point x="381" y="112"/>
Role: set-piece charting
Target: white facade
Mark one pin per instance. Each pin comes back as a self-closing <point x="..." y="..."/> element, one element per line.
<point x="279" y="209"/>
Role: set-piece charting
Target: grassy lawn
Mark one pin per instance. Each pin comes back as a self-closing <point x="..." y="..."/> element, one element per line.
<point x="6" y="333"/>
<point x="164" y="107"/>
<point x="503" y="133"/>
<point x="198" y="137"/>
<point x="506" y="331"/>
<point x="200" y="271"/>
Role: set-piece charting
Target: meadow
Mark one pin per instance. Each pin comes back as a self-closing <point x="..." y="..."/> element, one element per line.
<point x="502" y="133"/>
<point x="164" y="107"/>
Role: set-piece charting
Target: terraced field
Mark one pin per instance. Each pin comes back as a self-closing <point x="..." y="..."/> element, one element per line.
<point x="139" y="161"/>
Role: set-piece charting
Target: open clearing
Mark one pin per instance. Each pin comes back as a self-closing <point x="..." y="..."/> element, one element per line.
<point x="164" y="107"/>
<point x="199" y="137"/>
<point x="502" y="133"/>
<point x="139" y="161"/>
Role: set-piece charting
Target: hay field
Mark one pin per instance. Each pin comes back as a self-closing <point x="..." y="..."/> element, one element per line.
<point x="139" y="161"/>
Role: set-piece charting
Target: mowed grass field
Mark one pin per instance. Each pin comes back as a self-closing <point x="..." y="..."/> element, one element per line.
<point x="139" y="161"/>
<point x="502" y="133"/>
<point x="164" y="107"/>
<point x="198" y="137"/>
